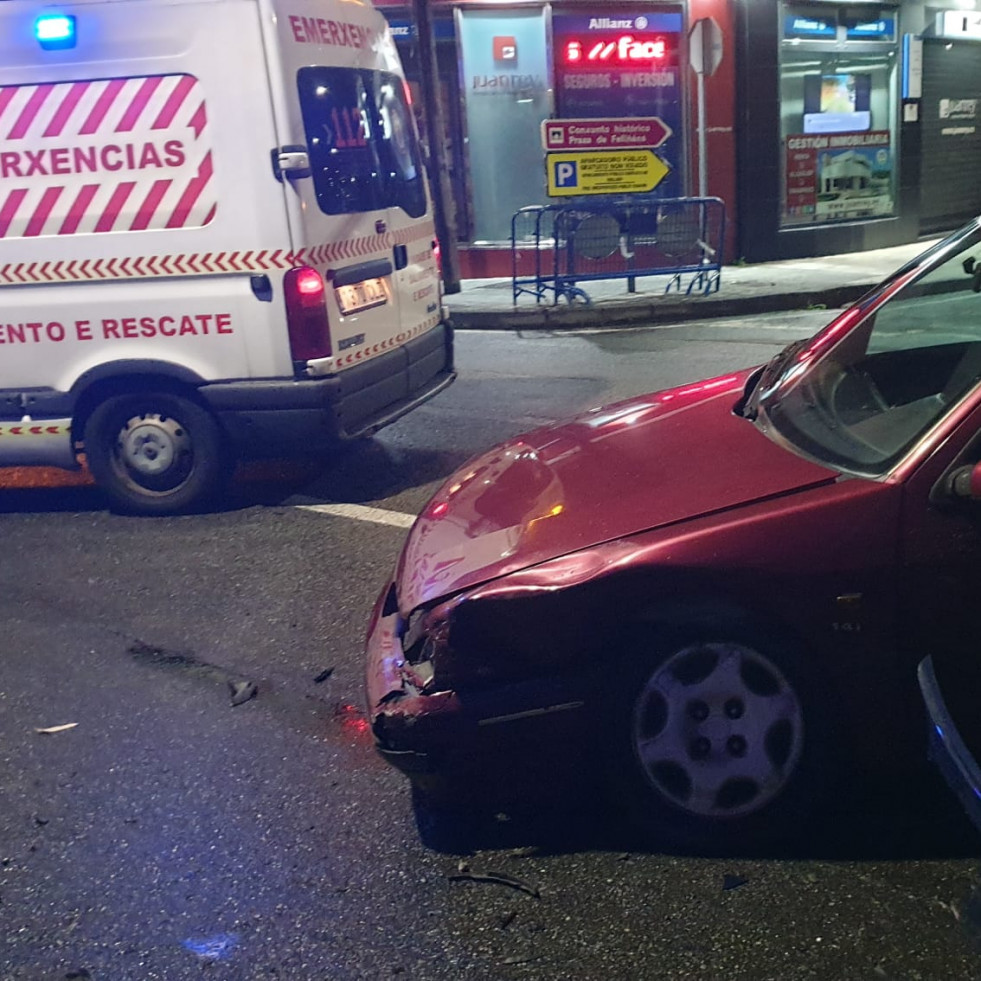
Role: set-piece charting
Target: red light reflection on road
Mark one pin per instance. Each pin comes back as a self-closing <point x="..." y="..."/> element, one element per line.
<point x="263" y="471"/>
<point x="19" y="478"/>
<point x="351" y="719"/>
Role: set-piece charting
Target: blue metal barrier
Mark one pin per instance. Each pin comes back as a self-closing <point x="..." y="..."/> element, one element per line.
<point x="533" y="229"/>
<point x="618" y="238"/>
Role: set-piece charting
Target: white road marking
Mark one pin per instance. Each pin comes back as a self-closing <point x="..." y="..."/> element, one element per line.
<point x="361" y="513"/>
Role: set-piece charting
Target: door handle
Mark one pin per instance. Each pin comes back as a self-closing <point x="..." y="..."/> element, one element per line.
<point x="401" y="256"/>
<point x="290" y="162"/>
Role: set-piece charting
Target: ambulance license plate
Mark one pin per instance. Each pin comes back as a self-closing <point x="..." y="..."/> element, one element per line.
<point x="361" y="296"/>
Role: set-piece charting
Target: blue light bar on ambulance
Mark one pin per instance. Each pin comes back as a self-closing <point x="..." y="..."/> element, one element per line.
<point x="55" y="31"/>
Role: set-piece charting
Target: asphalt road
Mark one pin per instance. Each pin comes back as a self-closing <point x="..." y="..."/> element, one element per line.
<point x="169" y="834"/>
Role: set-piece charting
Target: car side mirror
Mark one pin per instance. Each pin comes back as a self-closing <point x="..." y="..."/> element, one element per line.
<point x="973" y="268"/>
<point x="965" y="483"/>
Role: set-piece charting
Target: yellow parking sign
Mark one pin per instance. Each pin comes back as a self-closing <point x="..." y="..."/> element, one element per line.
<point x="603" y="172"/>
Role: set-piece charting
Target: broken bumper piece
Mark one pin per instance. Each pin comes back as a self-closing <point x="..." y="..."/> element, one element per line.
<point x="442" y="732"/>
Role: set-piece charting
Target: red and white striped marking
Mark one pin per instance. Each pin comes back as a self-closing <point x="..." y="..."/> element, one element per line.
<point x="368" y="352"/>
<point x="202" y="263"/>
<point x="356" y="248"/>
<point x="141" y="267"/>
<point x="122" y="154"/>
<point x="34" y="429"/>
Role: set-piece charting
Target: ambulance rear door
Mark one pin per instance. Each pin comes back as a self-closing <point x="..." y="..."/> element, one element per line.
<point x="410" y="221"/>
<point x="341" y="76"/>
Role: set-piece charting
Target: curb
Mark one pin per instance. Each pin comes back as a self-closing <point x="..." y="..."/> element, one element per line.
<point x="626" y="313"/>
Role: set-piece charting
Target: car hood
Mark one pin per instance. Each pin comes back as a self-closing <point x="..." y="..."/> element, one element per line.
<point x="634" y="466"/>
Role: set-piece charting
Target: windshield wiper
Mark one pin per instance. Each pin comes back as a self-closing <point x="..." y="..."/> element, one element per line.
<point x="750" y="404"/>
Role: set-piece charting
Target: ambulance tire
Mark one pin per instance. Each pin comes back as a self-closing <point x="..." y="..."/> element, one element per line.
<point x="156" y="453"/>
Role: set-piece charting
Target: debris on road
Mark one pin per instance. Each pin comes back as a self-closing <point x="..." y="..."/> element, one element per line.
<point x="522" y="960"/>
<point x="50" y="730"/>
<point x="159" y="655"/>
<point x="242" y="691"/>
<point x="212" y="948"/>
<point x="323" y="676"/>
<point x="500" y="878"/>
<point x="733" y="882"/>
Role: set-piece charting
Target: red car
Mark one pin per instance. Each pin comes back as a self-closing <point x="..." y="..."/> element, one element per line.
<point x="716" y="595"/>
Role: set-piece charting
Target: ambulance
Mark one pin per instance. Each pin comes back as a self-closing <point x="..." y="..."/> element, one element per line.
<point x="216" y="240"/>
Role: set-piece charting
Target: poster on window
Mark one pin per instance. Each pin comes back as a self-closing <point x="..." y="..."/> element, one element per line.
<point x="837" y="176"/>
<point x="507" y="94"/>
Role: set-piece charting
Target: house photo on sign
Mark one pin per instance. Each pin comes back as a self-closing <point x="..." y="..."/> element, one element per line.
<point x="839" y="175"/>
<point x="838" y="113"/>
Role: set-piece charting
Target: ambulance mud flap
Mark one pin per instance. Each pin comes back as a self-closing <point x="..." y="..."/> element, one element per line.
<point x="37" y="442"/>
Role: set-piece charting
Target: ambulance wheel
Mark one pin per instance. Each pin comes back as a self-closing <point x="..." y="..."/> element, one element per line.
<point x="155" y="453"/>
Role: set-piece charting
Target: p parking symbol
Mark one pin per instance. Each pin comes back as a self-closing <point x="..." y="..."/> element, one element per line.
<point x="566" y="173"/>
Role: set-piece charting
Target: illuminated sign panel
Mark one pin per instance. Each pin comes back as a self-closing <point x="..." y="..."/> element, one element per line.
<point x="617" y="63"/>
<point x="959" y="23"/>
<point x="883" y="29"/>
<point x="807" y="27"/>
<point x="627" y="50"/>
<point x="825" y="28"/>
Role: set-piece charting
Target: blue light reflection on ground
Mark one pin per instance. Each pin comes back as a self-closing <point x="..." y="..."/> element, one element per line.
<point x="214" y="948"/>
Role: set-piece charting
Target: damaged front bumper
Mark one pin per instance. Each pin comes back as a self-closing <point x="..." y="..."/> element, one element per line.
<point x="430" y="731"/>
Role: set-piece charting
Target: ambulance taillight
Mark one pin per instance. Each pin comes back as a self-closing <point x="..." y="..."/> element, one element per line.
<point x="306" y="314"/>
<point x="438" y="254"/>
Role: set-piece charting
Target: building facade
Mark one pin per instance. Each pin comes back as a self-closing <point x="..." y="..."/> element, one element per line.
<point x="503" y="69"/>
<point x="828" y="127"/>
<point x="858" y="125"/>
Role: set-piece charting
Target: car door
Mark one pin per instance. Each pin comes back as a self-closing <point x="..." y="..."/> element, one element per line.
<point x="940" y="575"/>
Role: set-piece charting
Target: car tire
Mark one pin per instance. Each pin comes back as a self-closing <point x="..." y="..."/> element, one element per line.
<point x="721" y="740"/>
<point x="156" y="453"/>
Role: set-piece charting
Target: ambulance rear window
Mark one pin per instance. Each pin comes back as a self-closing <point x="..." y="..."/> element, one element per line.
<point x="361" y="139"/>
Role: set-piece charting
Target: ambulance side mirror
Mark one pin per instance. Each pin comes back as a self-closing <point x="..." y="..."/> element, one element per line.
<point x="290" y="162"/>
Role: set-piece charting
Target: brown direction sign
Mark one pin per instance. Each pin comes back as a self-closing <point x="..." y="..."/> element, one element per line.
<point x="633" y="133"/>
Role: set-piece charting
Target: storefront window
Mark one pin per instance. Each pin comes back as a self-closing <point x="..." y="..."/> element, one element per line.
<point x="838" y="112"/>
<point x="507" y="90"/>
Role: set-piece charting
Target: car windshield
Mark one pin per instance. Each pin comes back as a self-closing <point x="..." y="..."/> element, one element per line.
<point x="863" y="391"/>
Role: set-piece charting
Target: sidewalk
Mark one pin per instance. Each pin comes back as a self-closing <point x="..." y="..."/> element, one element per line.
<point x="829" y="281"/>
